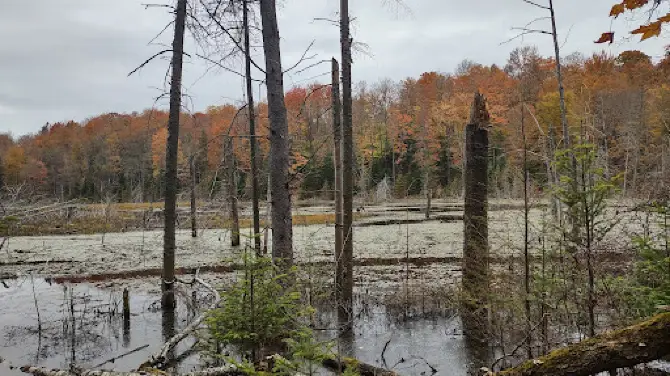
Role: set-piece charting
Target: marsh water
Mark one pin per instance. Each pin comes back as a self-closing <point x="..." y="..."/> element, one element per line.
<point x="47" y="321"/>
<point x="52" y="325"/>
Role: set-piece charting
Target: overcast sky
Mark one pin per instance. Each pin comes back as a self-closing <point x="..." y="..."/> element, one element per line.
<point x="69" y="59"/>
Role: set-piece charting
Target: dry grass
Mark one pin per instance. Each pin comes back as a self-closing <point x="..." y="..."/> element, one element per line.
<point x="130" y="217"/>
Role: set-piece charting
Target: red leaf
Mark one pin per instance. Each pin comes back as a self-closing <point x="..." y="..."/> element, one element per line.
<point x="606" y="37"/>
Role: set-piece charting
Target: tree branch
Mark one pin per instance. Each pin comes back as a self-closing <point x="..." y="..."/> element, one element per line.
<point x="225" y="30"/>
<point x="536" y="4"/>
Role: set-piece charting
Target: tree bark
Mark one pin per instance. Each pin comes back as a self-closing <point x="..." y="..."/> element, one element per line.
<point x="475" y="243"/>
<point x="637" y="344"/>
<point x="340" y="271"/>
<point x="345" y="308"/>
<point x="252" y="130"/>
<point x="171" y="154"/>
<point x="231" y="179"/>
<point x="282" y="222"/>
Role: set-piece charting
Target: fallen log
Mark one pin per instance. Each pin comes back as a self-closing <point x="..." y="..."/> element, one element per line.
<point x="628" y="347"/>
<point x="33" y="262"/>
<point x="363" y="369"/>
<point x="403" y="221"/>
<point x="220" y="371"/>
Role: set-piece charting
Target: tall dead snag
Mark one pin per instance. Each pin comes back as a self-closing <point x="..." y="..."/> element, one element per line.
<point x="340" y="272"/>
<point x="282" y="222"/>
<point x="526" y="254"/>
<point x="475" y="218"/>
<point x="637" y="344"/>
<point x="231" y="183"/>
<point x="345" y="309"/>
<point x="194" y="223"/>
<point x="171" y="154"/>
<point x="252" y="128"/>
<point x="559" y="77"/>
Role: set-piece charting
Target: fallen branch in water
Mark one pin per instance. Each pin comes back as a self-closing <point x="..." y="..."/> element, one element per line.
<point x="158" y="360"/>
<point x="359" y="367"/>
<point x="628" y="347"/>
<point x="114" y="359"/>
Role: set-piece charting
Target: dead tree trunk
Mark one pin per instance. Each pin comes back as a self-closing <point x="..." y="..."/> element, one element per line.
<point x="282" y="222"/>
<point x="559" y="77"/>
<point x="340" y="271"/>
<point x="345" y="308"/>
<point x="637" y="344"/>
<point x="475" y="244"/>
<point x="171" y="154"/>
<point x="252" y="130"/>
<point x="194" y="223"/>
<point x="526" y="255"/>
<point x="231" y="179"/>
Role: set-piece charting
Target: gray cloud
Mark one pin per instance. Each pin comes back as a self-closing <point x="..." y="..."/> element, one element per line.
<point x="69" y="59"/>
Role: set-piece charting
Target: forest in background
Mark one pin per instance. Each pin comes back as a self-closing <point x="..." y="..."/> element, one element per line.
<point x="410" y="132"/>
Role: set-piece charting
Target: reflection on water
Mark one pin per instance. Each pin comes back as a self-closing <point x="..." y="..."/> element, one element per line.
<point x="78" y="324"/>
<point x="85" y="325"/>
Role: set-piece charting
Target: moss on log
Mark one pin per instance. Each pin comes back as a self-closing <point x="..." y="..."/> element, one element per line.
<point x="363" y="369"/>
<point x="636" y="344"/>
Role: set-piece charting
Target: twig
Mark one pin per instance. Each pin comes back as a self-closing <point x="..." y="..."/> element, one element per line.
<point x="384" y="350"/>
<point x="114" y="359"/>
<point x="147" y="61"/>
<point x="536" y="4"/>
<point x="302" y="58"/>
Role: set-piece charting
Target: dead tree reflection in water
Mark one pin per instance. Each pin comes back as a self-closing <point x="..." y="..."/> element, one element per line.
<point x="126" y="318"/>
<point x="78" y="327"/>
<point x="169" y="317"/>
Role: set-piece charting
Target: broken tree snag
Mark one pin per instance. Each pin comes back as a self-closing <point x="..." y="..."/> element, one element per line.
<point x="637" y="344"/>
<point x="340" y="270"/>
<point x="363" y="369"/>
<point x="475" y="217"/>
<point x="231" y="179"/>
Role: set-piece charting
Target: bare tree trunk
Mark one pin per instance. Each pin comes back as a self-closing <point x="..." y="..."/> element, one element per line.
<point x="345" y="310"/>
<point x="268" y="217"/>
<point x="559" y="76"/>
<point x="252" y="131"/>
<point x="194" y="224"/>
<point x="340" y="273"/>
<point x="475" y="244"/>
<point x="231" y="179"/>
<point x="526" y="256"/>
<point x="282" y="222"/>
<point x="171" y="154"/>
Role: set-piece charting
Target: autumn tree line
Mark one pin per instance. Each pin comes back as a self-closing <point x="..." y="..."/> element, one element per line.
<point x="409" y="133"/>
